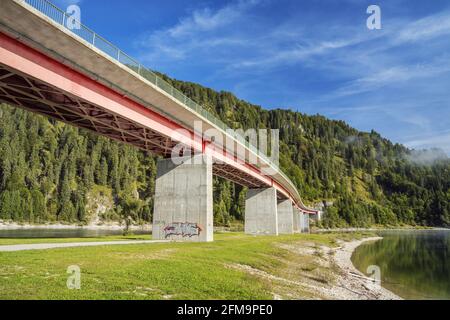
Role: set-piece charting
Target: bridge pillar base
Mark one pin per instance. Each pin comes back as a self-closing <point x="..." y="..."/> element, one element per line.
<point x="285" y="217"/>
<point x="261" y="216"/>
<point x="184" y="200"/>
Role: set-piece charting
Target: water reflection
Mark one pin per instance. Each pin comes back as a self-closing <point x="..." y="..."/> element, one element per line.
<point x="414" y="264"/>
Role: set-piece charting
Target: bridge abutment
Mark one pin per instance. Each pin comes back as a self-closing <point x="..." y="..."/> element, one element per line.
<point x="261" y="216"/>
<point x="285" y="217"/>
<point x="184" y="200"/>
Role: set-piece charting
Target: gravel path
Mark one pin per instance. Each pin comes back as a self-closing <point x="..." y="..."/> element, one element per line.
<point x="45" y="246"/>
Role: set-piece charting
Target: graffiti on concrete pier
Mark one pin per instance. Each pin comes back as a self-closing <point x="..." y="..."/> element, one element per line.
<point x="184" y="229"/>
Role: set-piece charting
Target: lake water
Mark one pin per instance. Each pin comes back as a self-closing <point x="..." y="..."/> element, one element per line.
<point x="63" y="233"/>
<point x="413" y="264"/>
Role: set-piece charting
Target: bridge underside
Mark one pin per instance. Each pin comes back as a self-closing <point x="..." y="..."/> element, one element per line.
<point x="37" y="96"/>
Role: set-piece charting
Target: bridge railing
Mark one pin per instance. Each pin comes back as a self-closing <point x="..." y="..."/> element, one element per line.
<point x="65" y="20"/>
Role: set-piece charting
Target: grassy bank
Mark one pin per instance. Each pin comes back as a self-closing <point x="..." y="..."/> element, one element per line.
<point x="229" y="268"/>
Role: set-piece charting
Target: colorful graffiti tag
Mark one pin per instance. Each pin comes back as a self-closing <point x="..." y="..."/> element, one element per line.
<point x="184" y="229"/>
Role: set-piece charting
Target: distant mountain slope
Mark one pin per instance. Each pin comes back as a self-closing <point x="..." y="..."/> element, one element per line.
<point x="50" y="171"/>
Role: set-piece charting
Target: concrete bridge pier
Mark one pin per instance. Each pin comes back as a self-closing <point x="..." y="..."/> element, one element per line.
<point x="285" y="217"/>
<point x="304" y="222"/>
<point x="184" y="200"/>
<point x="261" y="216"/>
<point x="296" y="221"/>
<point x="307" y="229"/>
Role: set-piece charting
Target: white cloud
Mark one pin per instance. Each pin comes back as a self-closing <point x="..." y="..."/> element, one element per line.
<point x="197" y="31"/>
<point x="438" y="140"/>
<point x="345" y="48"/>
<point x="426" y="28"/>
<point x="392" y="75"/>
<point x="208" y="20"/>
<point x="426" y="157"/>
<point x="353" y="46"/>
<point x="295" y="54"/>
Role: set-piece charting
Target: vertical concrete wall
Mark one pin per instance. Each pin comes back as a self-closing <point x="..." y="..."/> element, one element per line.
<point x="304" y="223"/>
<point x="285" y="217"/>
<point x="301" y="219"/>
<point x="184" y="200"/>
<point x="261" y="212"/>
<point x="296" y="221"/>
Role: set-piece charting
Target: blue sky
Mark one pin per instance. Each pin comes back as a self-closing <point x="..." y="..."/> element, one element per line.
<point x="314" y="56"/>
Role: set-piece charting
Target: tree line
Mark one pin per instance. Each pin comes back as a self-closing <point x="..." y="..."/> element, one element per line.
<point x="50" y="171"/>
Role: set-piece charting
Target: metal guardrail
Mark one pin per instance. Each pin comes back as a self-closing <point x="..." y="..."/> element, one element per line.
<point x="59" y="16"/>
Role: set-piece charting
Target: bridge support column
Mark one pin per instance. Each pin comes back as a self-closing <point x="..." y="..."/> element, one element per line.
<point x="304" y="222"/>
<point x="184" y="200"/>
<point x="307" y="228"/>
<point x="285" y="217"/>
<point x="261" y="212"/>
<point x="296" y="219"/>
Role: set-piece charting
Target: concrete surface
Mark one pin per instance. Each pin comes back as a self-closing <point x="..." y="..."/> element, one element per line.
<point x="261" y="216"/>
<point x="184" y="200"/>
<point x="285" y="217"/>
<point x="296" y="220"/>
<point x="304" y="223"/>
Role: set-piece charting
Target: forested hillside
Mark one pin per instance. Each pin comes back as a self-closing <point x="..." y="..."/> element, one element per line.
<point x="50" y="171"/>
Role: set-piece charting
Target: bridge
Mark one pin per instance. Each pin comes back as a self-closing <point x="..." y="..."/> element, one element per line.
<point x="78" y="77"/>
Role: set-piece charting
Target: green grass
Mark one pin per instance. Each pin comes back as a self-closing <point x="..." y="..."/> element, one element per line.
<point x="156" y="271"/>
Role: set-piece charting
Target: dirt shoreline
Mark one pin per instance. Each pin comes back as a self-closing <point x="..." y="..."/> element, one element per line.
<point x="358" y="285"/>
<point x="320" y="272"/>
